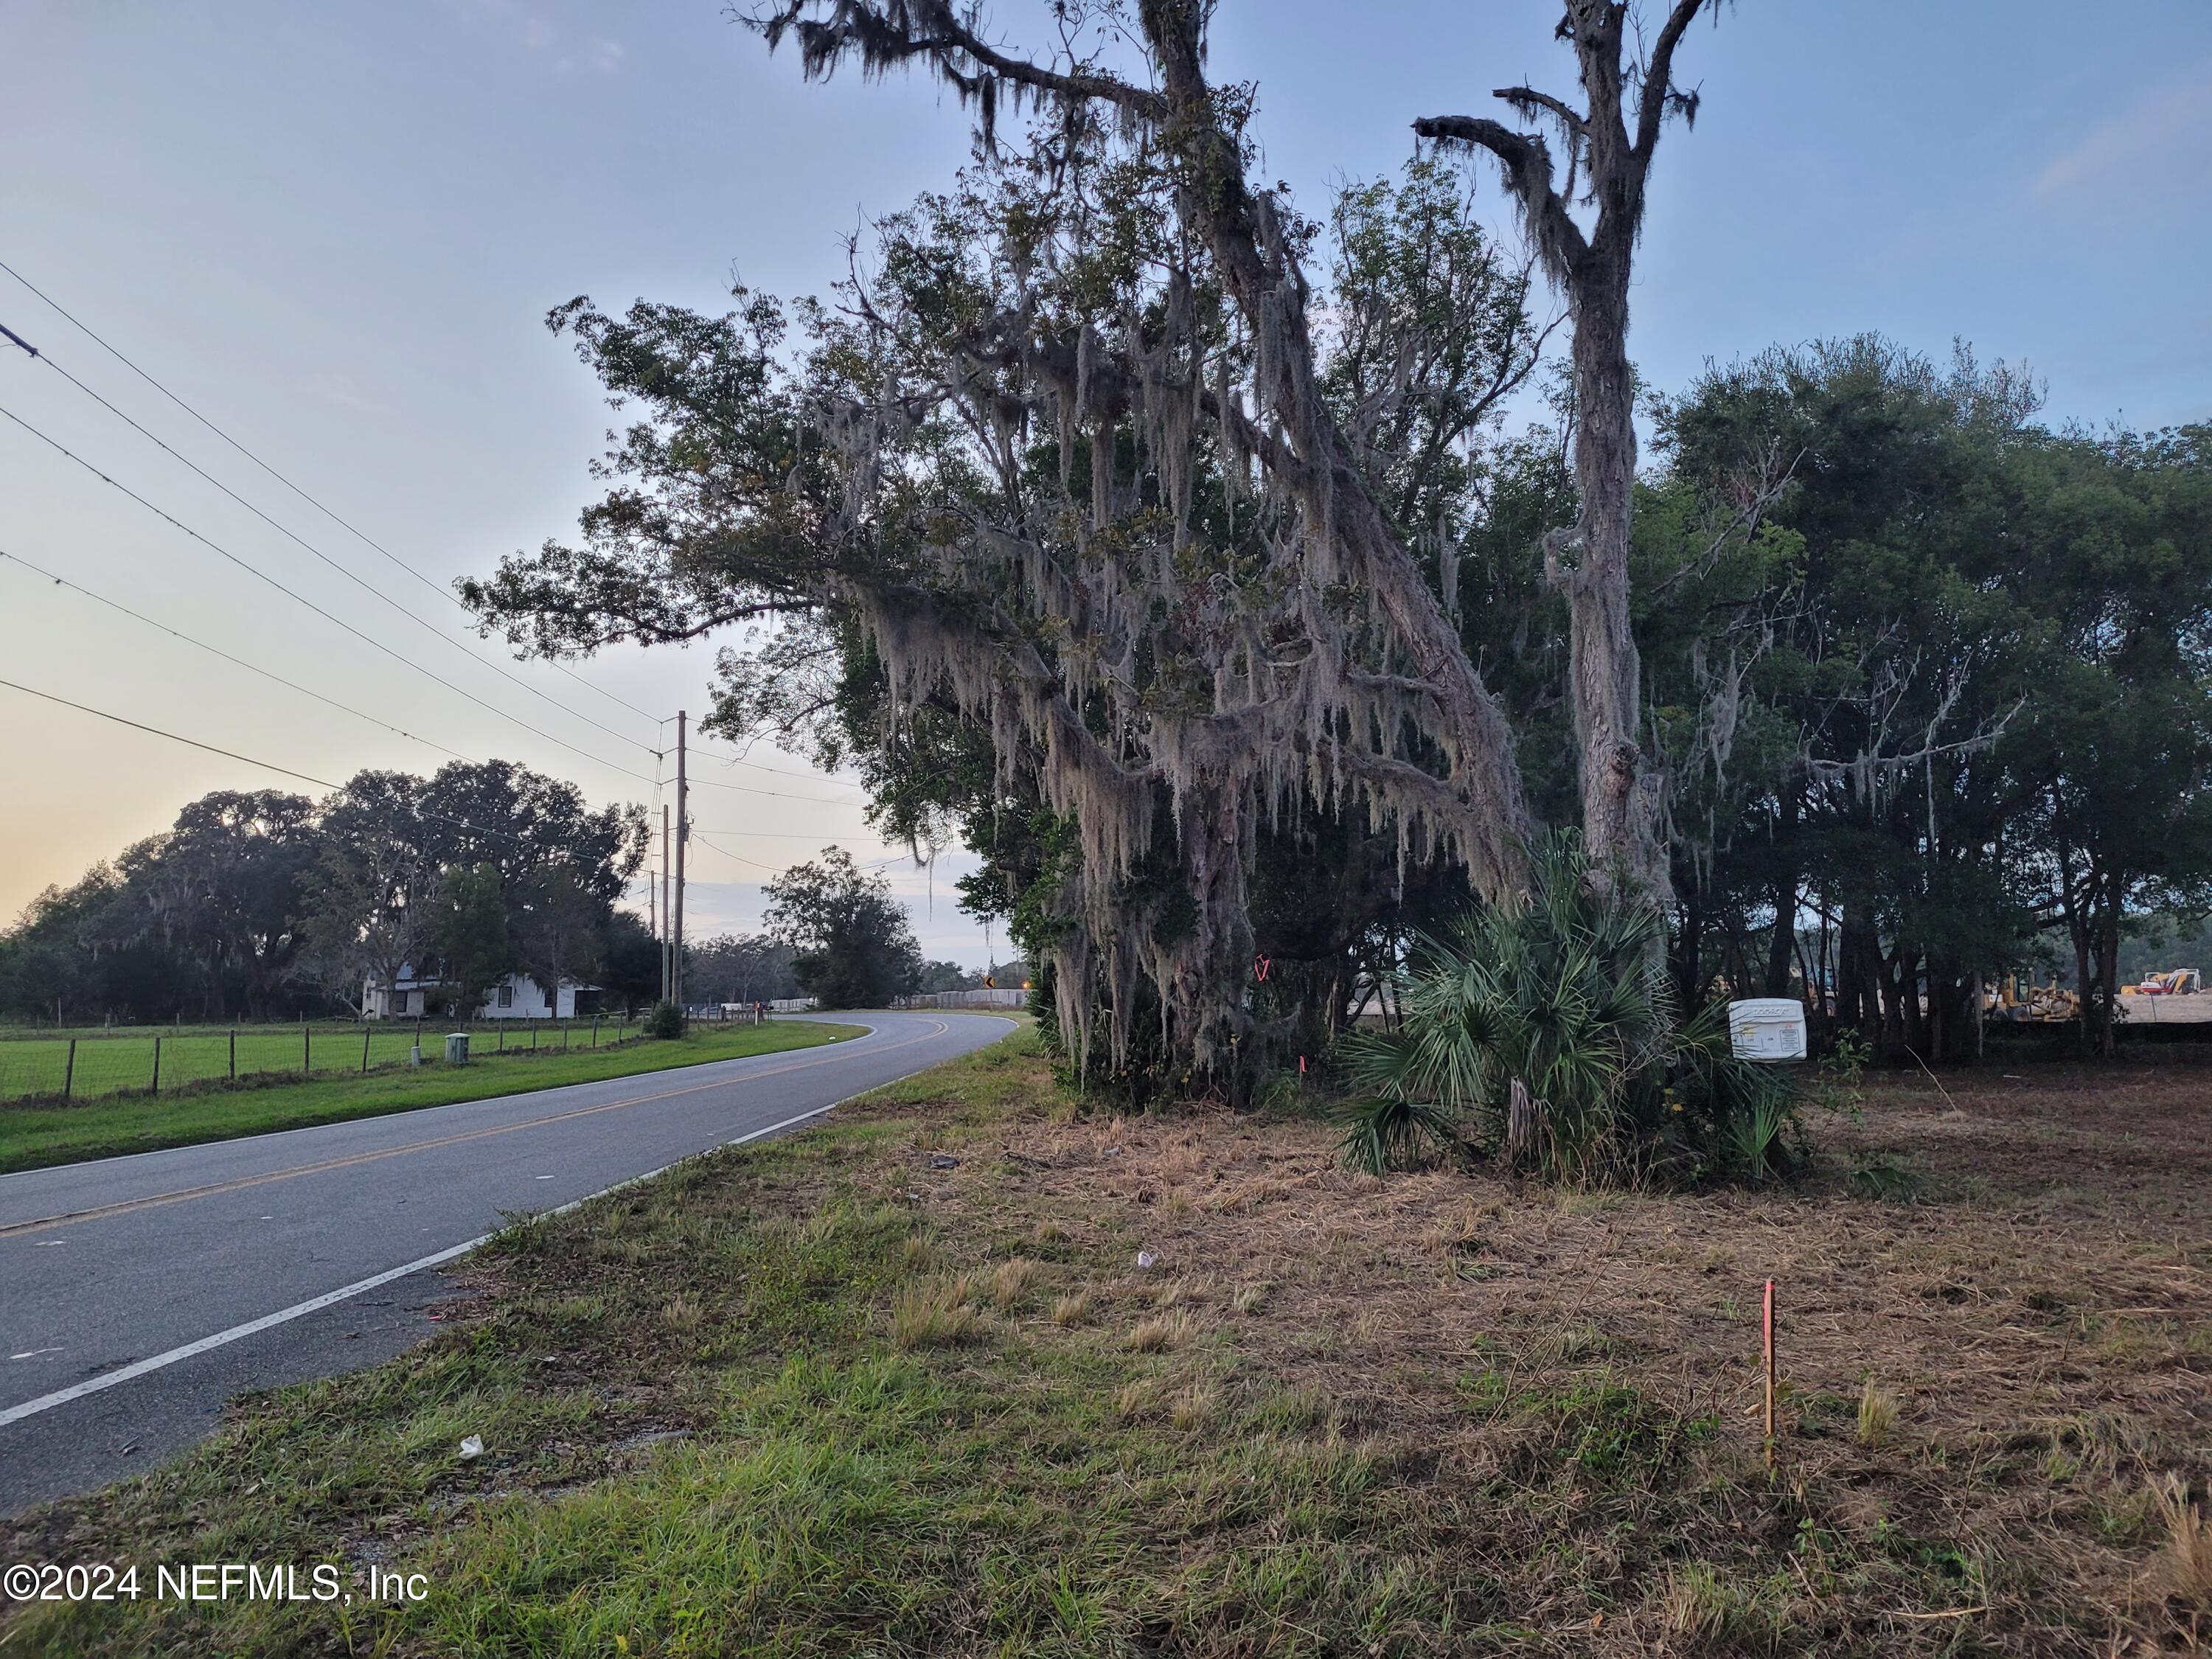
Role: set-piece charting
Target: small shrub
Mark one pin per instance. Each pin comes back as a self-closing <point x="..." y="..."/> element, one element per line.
<point x="666" y="1020"/>
<point x="1387" y="1132"/>
<point x="1547" y="1027"/>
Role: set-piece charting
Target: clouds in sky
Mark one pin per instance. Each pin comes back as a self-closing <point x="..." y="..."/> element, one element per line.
<point x="2161" y="146"/>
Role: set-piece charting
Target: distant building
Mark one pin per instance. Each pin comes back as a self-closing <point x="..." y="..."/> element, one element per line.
<point x="518" y="996"/>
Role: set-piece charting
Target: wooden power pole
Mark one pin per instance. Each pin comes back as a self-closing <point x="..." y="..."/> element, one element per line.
<point x="682" y="836"/>
<point x="661" y="933"/>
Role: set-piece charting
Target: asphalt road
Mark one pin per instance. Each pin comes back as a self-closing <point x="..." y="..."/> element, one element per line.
<point x="137" y="1294"/>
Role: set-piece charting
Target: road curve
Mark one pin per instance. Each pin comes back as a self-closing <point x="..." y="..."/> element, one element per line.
<point x="138" y="1293"/>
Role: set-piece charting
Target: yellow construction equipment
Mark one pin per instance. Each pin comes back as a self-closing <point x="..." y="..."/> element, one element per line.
<point x="2174" y="982"/>
<point x="2026" y="1003"/>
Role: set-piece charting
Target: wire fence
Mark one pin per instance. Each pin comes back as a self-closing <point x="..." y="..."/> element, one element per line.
<point x="62" y="1069"/>
<point x="1004" y="996"/>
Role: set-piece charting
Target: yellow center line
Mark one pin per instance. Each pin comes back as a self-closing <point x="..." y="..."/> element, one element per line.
<point x="185" y="1194"/>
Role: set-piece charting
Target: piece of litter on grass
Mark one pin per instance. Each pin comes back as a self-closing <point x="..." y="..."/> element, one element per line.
<point x="541" y="1177"/>
<point x="1146" y="1259"/>
<point x="472" y="1447"/>
<point x="2013" y="1077"/>
<point x="1113" y="1152"/>
<point x="943" y="1161"/>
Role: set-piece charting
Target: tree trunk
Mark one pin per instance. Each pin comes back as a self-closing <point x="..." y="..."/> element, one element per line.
<point x="2108" y="994"/>
<point x="1779" y="947"/>
<point x="1619" y="795"/>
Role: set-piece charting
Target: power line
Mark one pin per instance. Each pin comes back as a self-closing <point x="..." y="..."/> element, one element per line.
<point x="355" y="577"/>
<point x="329" y="512"/>
<point x="232" y="754"/>
<point x="369" y="587"/>
<point x="228" y="754"/>
<point x="701" y="835"/>
<point x="252" y="667"/>
<point x="300" y="598"/>
<point x="331" y="515"/>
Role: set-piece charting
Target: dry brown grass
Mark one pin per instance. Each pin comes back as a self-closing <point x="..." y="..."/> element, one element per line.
<point x="1877" y="1415"/>
<point x="2040" y="1297"/>
<point x="935" y="1313"/>
<point x="1071" y="1310"/>
<point x="2185" y="1565"/>
<point x="1011" y="1282"/>
<point x="1158" y="1333"/>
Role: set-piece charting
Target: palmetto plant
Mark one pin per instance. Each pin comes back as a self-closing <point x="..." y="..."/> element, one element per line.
<point x="1546" y="1028"/>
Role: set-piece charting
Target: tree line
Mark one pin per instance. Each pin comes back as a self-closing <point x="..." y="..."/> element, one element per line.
<point x="258" y="905"/>
<point x="264" y="904"/>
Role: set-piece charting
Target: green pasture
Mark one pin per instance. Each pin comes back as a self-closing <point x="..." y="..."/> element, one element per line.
<point x="159" y="1060"/>
<point x="40" y="1132"/>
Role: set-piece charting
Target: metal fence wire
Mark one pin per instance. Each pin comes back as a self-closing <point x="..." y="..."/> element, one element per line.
<point x="96" y="1066"/>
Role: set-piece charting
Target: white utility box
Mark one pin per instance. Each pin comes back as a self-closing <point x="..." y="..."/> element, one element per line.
<point x="1767" y="1028"/>
<point x="457" y="1048"/>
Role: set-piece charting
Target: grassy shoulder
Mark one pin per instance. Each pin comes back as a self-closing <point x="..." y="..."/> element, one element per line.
<point x="34" y="1137"/>
<point x="901" y="1385"/>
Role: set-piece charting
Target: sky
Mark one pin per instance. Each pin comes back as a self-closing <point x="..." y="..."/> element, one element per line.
<point x="334" y="231"/>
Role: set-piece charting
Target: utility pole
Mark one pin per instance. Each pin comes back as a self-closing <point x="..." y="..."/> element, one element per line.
<point x="663" y="934"/>
<point x="682" y="836"/>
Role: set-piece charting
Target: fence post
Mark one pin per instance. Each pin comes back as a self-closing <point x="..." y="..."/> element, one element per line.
<point x="156" y="1087"/>
<point x="534" y="1037"/>
<point x="595" y="1031"/>
<point x="233" y="1053"/>
<point x="69" y="1074"/>
<point x="502" y="1039"/>
<point x="306" y="1051"/>
<point x="565" y="1025"/>
<point x="364" y="1048"/>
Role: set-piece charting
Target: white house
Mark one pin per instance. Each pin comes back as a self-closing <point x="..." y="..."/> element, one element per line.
<point x="518" y="996"/>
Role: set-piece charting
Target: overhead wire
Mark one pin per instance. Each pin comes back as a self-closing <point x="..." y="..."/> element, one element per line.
<point x="139" y="725"/>
<point x="353" y="576"/>
<point x="256" y="571"/>
<point x="214" y="650"/>
<point x="329" y="512"/>
<point x="250" y="759"/>
<point x="335" y="517"/>
<point x="370" y="640"/>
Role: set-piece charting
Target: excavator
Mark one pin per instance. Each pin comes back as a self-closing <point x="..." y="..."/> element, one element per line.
<point x="2174" y="982"/>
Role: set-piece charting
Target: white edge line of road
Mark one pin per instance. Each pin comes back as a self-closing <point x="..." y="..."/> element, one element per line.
<point x="421" y="1111"/>
<point x="46" y="1402"/>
